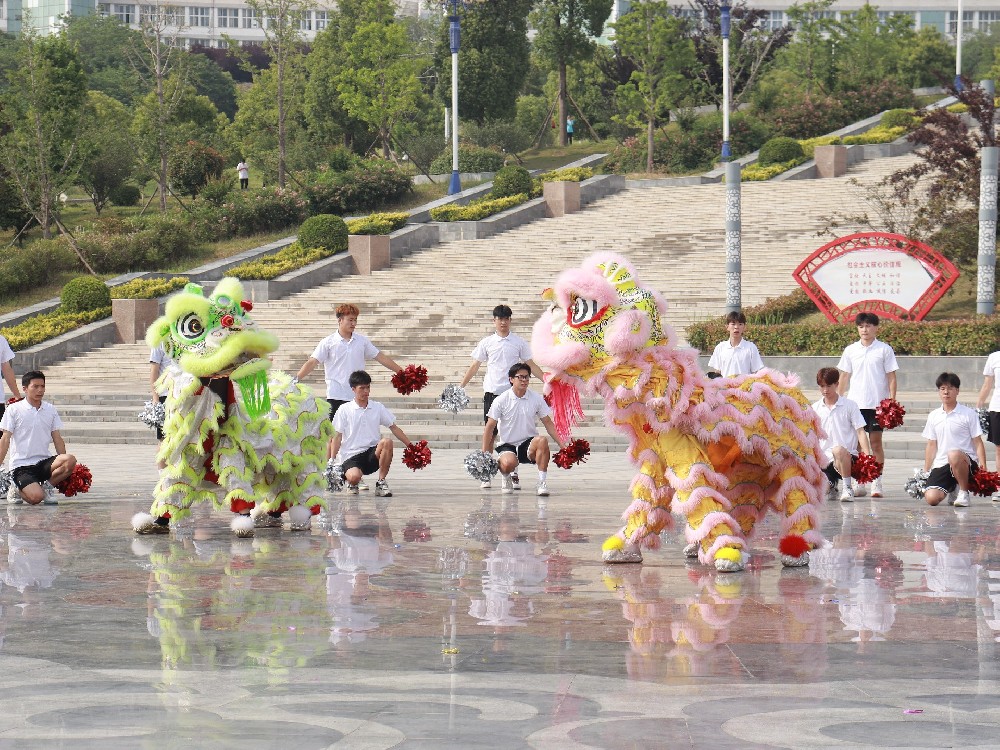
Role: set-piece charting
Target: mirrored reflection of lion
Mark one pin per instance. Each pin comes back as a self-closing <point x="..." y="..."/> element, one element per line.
<point x="720" y="452"/>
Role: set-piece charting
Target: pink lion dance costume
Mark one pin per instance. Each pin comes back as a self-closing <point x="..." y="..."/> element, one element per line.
<point x="719" y="452"/>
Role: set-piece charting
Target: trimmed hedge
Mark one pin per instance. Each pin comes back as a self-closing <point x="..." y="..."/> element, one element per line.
<point x="879" y="134"/>
<point x="568" y="174"/>
<point x="324" y="230"/>
<point x="511" y="180"/>
<point x="147" y="288"/>
<point x="365" y="186"/>
<point x="758" y="173"/>
<point x="84" y="293"/>
<point x="378" y="223"/>
<point x="248" y="212"/>
<point x="470" y="159"/>
<point x="114" y="245"/>
<point x="779" y="150"/>
<point x="284" y="261"/>
<point x="477" y="210"/>
<point x="44" y="327"/>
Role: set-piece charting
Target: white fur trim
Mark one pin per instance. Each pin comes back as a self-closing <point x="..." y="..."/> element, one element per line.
<point x="142" y="522"/>
<point x="300" y="516"/>
<point x="242" y="526"/>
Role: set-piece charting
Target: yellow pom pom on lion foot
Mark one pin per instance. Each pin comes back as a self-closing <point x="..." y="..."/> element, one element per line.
<point x="730" y="560"/>
<point x="615" y="550"/>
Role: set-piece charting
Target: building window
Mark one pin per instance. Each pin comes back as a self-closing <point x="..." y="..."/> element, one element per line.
<point x="967" y="21"/>
<point x="198" y="16"/>
<point x="306" y="20"/>
<point x="774" y="20"/>
<point x="152" y="14"/>
<point x="250" y="20"/>
<point x="124" y="13"/>
<point x="321" y="17"/>
<point x="227" y="18"/>
<point x="987" y="18"/>
<point x="885" y="15"/>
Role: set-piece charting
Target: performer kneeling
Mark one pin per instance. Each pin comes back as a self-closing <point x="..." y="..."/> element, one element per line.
<point x="844" y="426"/>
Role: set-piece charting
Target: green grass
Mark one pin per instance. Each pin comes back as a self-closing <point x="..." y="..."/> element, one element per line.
<point x="552" y="157"/>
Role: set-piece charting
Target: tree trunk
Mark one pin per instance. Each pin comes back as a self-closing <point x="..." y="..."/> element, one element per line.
<point x="562" y="104"/>
<point x="162" y="180"/>
<point x="650" y="128"/>
<point x="281" y="125"/>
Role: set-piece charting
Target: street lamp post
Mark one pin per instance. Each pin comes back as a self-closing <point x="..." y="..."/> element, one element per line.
<point x="958" y="49"/>
<point x="454" y="39"/>
<point x="724" y="23"/>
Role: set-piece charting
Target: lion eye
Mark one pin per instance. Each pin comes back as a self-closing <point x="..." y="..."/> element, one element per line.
<point x="583" y="311"/>
<point x="190" y="326"/>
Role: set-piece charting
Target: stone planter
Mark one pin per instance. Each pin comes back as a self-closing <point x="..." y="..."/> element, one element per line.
<point x="831" y="161"/>
<point x="132" y="317"/>
<point x="369" y="251"/>
<point x="561" y="197"/>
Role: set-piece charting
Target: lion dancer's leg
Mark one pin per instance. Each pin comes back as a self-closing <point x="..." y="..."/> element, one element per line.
<point x="799" y="500"/>
<point x="646" y="517"/>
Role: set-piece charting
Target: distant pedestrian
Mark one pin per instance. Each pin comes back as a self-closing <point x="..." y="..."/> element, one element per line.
<point x="244" y="172"/>
<point x="570" y="124"/>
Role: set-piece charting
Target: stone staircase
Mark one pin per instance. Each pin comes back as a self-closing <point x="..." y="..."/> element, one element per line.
<point x="431" y="307"/>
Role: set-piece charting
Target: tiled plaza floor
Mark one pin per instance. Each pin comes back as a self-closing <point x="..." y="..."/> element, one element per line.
<point x="455" y="618"/>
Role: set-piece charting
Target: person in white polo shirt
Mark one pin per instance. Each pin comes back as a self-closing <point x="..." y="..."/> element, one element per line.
<point x="341" y="353"/>
<point x="7" y="373"/>
<point x="358" y="445"/>
<point x="844" y="427"/>
<point x="736" y="356"/>
<point x="29" y="426"/>
<point x="867" y="376"/>
<point x="499" y="351"/>
<point x="514" y="413"/>
<point x="954" y="444"/>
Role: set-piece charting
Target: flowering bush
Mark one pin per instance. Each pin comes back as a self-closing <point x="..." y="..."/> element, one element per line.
<point x="252" y="212"/>
<point x="362" y="187"/>
<point x="139" y="244"/>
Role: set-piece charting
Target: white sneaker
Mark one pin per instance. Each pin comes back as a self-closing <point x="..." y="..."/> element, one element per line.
<point x="962" y="499"/>
<point x="950" y="497"/>
<point x="486" y="485"/>
<point x="515" y="480"/>
<point x="995" y="497"/>
<point x="831" y="492"/>
<point x="877" y="487"/>
<point x="506" y="485"/>
<point x="846" y="495"/>
<point x="362" y="486"/>
<point x="14" y="495"/>
<point x="860" y="490"/>
<point x="543" y="491"/>
<point x="351" y="489"/>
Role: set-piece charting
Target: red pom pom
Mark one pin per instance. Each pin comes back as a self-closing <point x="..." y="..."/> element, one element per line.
<point x="417" y="455"/>
<point x="239" y="505"/>
<point x="984" y="483"/>
<point x="889" y="413"/>
<point x="574" y="453"/>
<point x="865" y="469"/>
<point x="247" y="306"/>
<point x="13" y="400"/>
<point x="315" y="509"/>
<point x="411" y="378"/>
<point x="227" y="321"/>
<point x="794" y="546"/>
<point x="79" y="481"/>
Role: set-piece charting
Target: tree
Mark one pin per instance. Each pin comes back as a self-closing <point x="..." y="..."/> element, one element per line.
<point x="869" y="48"/>
<point x="108" y="156"/>
<point x="42" y="111"/>
<point x="809" y="56"/>
<point x="193" y="165"/>
<point x="212" y="81"/>
<point x="281" y="22"/>
<point x="493" y="61"/>
<point x="379" y="85"/>
<point x="752" y="48"/>
<point x="104" y="44"/>
<point x="928" y="60"/>
<point x="650" y="36"/>
<point x="565" y="31"/>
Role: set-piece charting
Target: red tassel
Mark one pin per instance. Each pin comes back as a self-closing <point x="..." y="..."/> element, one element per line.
<point x="411" y="378"/>
<point x="567" y="410"/>
<point x="794" y="546"/>
<point x="13" y="400"/>
<point x="79" y="481"/>
<point x="865" y="469"/>
<point x="984" y="483"/>
<point x="315" y="509"/>
<point x="889" y="413"/>
<point x="417" y="455"/>
<point x="574" y="453"/>
<point x="239" y="505"/>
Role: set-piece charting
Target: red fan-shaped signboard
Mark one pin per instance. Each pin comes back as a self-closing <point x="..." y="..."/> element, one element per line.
<point x="887" y="274"/>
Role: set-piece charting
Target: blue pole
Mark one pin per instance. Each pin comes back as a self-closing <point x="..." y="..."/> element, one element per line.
<point x="454" y="39"/>
<point x="725" y="23"/>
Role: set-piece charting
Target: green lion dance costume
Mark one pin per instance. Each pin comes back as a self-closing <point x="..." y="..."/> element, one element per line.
<point x="236" y="433"/>
<point x="719" y="452"/>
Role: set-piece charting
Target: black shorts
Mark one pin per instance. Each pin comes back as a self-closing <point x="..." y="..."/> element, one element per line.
<point x="871" y="424"/>
<point x="367" y="461"/>
<point x="334" y="405"/>
<point x="34" y="474"/>
<point x="942" y="478"/>
<point x="521" y="451"/>
<point x="488" y="399"/>
<point x="159" y="428"/>
<point x="993" y="436"/>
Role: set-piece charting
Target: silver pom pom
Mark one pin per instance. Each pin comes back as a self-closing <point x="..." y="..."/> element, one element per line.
<point x="152" y="414"/>
<point x="984" y="420"/>
<point x="917" y="484"/>
<point x="5" y="482"/>
<point x="453" y="399"/>
<point x="334" y="476"/>
<point x="481" y="465"/>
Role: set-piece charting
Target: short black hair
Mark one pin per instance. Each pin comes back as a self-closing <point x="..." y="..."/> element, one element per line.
<point x="866" y="317"/>
<point x="359" y="377"/>
<point x="516" y="368"/>
<point x="31" y="375"/>
<point x="828" y="376"/>
<point x="502" y="311"/>
<point x="948" y="378"/>
<point x="736" y="317"/>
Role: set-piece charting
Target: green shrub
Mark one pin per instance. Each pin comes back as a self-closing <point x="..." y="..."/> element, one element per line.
<point x="44" y="327"/>
<point x="216" y="191"/>
<point x="898" y="118"/>
<point x="247" y="212"/>
<point x="470" y="159"/>
<point x="568" y="174"/>
<point x="125" y="195"/>
<point x="532" y="117"/>
<point x="284" y="261"/>
<point x="498" y="135"/>
<point x="476" y="210"/>
<point x="879" y="134"/>
<point x="25" y="268"/>
<point x="378" y="223"/>
<point x="192" y="165"/>
<point x="367" y="185"/>
<point x="809" y="144"/>
<point x="341" y="159"/>
<point x="324" y="230"/>
<point x="83" y="294"/>
<point x="807" y="116"/>
<point x="758" y="173"/>
<point x="511" y="180"/>
<point x="958" y="108"/>
<point x="147" y="288"/>
<point x="140" y="244"/>
<point x="779" y="150"/>
<point x="747" y="133"/>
